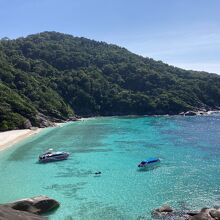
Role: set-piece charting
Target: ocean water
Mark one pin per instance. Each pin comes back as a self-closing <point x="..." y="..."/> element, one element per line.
<point x="188" y="176"/>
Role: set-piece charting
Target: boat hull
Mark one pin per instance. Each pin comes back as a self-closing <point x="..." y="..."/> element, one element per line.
<point x="149" y="166"/>
<point x="54" y="158"/>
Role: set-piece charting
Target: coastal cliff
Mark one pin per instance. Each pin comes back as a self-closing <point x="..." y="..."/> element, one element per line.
<point x="28" y="208"/>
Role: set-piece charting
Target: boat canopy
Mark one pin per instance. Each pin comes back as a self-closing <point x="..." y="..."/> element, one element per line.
<point x="151" y="160"/>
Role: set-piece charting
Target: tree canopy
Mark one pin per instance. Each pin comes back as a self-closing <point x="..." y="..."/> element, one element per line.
<point x="59" y="75"/>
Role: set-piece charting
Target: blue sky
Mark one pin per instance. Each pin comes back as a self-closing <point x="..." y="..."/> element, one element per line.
<point x="184" y="33"/>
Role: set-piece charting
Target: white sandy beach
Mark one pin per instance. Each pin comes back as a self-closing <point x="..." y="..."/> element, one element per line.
<point x="8" y="138"/>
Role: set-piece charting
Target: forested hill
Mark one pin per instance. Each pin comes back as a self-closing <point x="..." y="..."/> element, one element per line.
<point x="55" y="76"/>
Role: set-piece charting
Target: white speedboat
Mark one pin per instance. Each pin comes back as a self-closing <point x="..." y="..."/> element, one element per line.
<point x="52" y="156"/>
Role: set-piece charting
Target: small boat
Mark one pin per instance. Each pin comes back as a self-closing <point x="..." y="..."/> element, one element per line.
<point x="52" y="156"/>
<point x="148" y="162"/>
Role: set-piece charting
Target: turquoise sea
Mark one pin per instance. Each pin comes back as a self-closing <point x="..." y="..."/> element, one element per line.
<point x="188" y="176"/>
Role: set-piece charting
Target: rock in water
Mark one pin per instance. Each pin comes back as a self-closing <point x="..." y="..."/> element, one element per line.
<point x="192" y="213"/>
<point x="190" y="113"/>
<point x="166" y="212"/>
<point x="36" y="205"/>
<point x="215" y="213"/>
<point x="203" y="215"/>
<point x="182" y="113"/>
<point x="162" y="212"/>
<point x="7" y="213"/>
<point x="165" y="208"/>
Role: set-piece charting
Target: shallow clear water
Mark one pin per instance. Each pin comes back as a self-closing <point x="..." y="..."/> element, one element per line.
<point x="188" y="176"/>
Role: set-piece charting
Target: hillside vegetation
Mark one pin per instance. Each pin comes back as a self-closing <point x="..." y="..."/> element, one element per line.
<point x="58" y="75"/>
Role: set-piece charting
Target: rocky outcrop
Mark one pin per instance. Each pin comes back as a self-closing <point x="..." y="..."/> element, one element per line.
<point x="215" y="213"/>
<point x="27" y="209"/>
<point x="182" y="113"/>
<point x="166" y="212"/>
<point x="207" y="214"/>
<point x="165" y="208"/>
<point x="44" y="121"/>
<point x="192" y="213"/>
<point x="36" y="205"/>
<point x="8" y="213"/>
<point x="27" y="124"/>
<point x="190" y="113"/>
<point x="162" y="212"/>
<point x="193" y="113"/>
<point x="74" y="118"/>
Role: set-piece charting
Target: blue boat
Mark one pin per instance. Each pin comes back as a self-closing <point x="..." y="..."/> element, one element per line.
<point x="149" y="161"/>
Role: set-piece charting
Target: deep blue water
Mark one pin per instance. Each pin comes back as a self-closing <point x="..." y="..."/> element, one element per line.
<point x="188" y="176"/>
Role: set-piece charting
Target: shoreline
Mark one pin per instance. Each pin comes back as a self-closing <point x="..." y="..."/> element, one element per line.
<point x="9" y="138"/>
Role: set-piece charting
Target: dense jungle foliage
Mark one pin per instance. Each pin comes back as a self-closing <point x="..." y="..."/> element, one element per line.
<point x="58" y="75"/>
